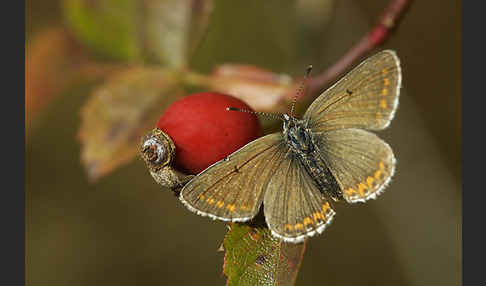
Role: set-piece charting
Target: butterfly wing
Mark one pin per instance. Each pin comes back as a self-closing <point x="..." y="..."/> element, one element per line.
<point x="366" y="97"/>
<point x="362" y="163"/>
<point x="294" y="207"/>
<point x="232" y="189"/>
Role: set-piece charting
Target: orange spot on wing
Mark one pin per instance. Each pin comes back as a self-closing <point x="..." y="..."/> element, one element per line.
<point x="210" y="201"/>
<point x="231" y="207"/>
<point x="201" y="197"/>
<point x="384" y="92"/>
<point x="386" y="82"/>
<point x="384" y="71"/>
<point x="350" y="192"/>
<point x="318" y="216"/>
<point x="220" y="204"/>
<point x="299" y="226"/>
<point x="370" y="181"/>
<point x="325" y="207"/>
<point x="288" y="227"/>
<point x="307" y="221"/>
<point x="245" y="208"/>
<point x="383" y="104"/>
<point x="361" y="189"/>
<point x="378" y="175"/>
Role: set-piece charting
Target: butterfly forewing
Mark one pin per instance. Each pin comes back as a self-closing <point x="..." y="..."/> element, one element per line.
<point x="232" y="189"/>
<point x="361" y="162"/>
<point x="294" y="207"/>
<point x="365" y="98"/>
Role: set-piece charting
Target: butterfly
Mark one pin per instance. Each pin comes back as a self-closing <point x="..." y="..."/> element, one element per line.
<point x="327" y="156"/>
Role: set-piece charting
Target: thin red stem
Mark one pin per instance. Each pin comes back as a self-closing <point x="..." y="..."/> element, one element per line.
<point x="373" y="38"/>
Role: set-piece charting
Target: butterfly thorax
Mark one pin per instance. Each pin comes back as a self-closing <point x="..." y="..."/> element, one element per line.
<point x="300" y="140"/>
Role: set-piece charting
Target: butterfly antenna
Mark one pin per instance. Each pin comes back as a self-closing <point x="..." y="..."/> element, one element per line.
<point x="300" y="90"/>
<point x="271" y="115"/>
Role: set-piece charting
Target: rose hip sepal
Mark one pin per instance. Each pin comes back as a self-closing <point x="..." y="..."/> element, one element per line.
<point x="158" y="150"/>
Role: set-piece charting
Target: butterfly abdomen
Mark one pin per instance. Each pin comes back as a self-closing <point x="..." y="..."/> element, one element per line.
<point x="302" y="145"/>
<point x="318" y="170"/>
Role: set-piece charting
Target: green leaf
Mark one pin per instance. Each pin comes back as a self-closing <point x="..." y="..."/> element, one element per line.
<point x="107" y="27"/>
<point x="119" y="113"/>
<point x="162" y="31"/>
<point x="254" y="257"/>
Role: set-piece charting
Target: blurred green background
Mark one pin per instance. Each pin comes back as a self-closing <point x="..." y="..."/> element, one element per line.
<point x="123" y="230"/>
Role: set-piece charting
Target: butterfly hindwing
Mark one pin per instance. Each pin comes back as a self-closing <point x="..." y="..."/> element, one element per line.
<point x="232" y="189"/>
<point x="365" y="98"/>
<point x="294" y="207"/>
<point x="361" y="162"/>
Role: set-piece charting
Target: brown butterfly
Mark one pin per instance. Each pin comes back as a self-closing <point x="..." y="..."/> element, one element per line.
<point x="327" y="155"/>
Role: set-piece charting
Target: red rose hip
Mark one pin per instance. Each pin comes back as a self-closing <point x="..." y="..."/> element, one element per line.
<point x="204" y="132"/>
